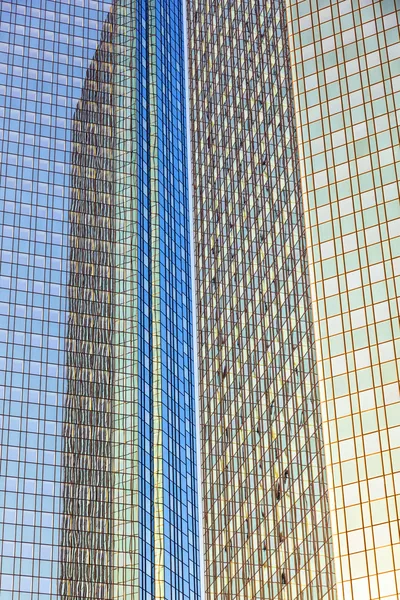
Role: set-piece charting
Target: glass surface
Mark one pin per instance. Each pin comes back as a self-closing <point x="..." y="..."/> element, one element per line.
<point x="266" y="515"/>
<point x="346" y="60"/>
<point x="98" y="483"/>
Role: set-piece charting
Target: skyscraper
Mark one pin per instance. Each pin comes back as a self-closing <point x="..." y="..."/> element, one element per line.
<point x="296" y="214"/>
<point x="295" y="144"/>
<point x="266" y="517"/>
<point x="98" y="472"/>
<point x="86" y="559"/>
<point x="346" y="68"/>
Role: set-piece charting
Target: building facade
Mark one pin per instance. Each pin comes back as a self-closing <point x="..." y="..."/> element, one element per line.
<point x="98" y="471"/>
<point x="294" y="112"/>
<point x="265" y="503"/>
<point x="346" y="76"/>
<point x="86" y="558"/>
<point x="296" y="211"/>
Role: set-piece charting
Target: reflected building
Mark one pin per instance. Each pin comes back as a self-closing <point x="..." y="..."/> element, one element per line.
<point x="130" y="499"/>
<point x="86" y="530"/>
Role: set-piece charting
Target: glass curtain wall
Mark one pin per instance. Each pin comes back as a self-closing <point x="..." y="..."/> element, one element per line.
<point x="98" y="466"/>
<point x="266" y="514"/>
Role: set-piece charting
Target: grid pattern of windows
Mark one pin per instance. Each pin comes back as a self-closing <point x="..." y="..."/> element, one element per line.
<point x="45" y="50"/>
<point x="346" y="71"/>
<point x="175" y="501"/>
<point x="87" y="493"/>
<point x="98" y="467"/>
<point x="266" y="517"/>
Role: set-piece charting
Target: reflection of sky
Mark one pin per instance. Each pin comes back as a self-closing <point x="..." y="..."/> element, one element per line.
<point x="45" y="48"/>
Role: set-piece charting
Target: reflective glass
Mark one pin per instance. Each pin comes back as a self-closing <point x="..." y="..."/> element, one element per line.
<point x="98" y="478"/>
<point x="265" y="492"/>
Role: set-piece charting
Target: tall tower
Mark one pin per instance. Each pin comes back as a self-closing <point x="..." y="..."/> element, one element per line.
<point x="295" y="115"/>
<point x="346" y="81"/>
<point x="131" y="248"/>
<point x="98" y="470"/>
<point x="266" y="515"/>
<point x="89" y="445"/>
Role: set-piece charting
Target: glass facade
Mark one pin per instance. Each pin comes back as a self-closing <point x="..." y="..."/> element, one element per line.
<point x="98" y="489"/>
<point x="295" y="143"/>
<point x="266" y="516"/>
<point x="346" y="72"/>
